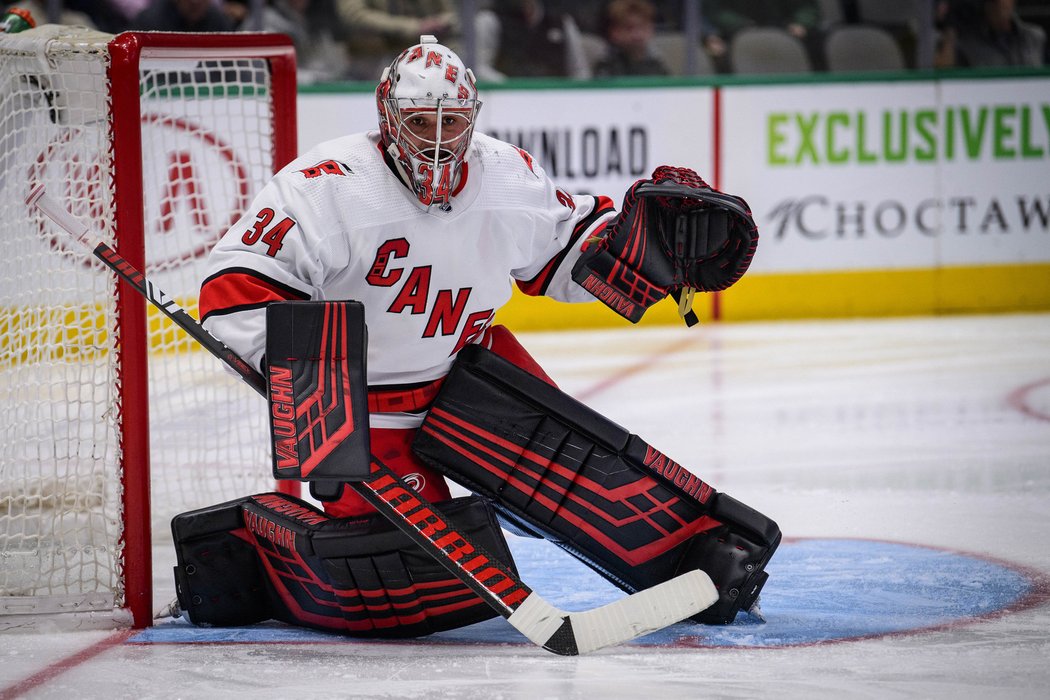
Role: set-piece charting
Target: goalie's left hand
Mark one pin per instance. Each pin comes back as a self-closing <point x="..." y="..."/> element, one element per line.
<point x="675" y="234"/>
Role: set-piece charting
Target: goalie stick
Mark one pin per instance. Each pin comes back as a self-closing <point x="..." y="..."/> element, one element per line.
<point x="558" y="631"/>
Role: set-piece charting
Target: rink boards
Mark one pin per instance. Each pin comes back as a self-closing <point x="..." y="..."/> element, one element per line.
<point x="875" y="195"/>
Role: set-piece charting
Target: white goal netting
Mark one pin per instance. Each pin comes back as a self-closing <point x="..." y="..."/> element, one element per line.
<point x="207" y="144"/>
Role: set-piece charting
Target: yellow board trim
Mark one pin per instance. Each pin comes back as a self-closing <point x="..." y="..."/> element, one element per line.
<point x="951" y="290"/>
<point x="79" y="332"/>
<point x="984" y="289"/>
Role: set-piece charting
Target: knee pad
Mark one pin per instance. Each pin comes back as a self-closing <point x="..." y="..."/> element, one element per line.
<point x="553" y="467"/>
<point x="270" y="556"/>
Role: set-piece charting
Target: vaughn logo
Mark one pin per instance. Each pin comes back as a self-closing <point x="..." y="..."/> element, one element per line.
<point x="283" y="431"/>
<point x="817" y="217"/>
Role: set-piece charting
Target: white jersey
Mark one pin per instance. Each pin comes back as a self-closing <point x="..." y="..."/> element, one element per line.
<point x="337" y="223"/>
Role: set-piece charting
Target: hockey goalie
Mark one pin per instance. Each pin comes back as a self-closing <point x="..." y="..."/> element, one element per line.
<point x="424" y="224"/>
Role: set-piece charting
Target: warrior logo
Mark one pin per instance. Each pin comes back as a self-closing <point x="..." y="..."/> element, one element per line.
<point x="415" y="480"/>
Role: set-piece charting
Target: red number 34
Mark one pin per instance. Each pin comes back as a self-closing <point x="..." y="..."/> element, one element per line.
<point x="273" y="236"/>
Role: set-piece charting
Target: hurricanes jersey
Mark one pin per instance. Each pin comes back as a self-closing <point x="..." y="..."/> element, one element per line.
<point x="337" y="223"/>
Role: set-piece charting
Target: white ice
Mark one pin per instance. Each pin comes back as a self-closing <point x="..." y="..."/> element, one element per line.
<point x="933" y="431"/>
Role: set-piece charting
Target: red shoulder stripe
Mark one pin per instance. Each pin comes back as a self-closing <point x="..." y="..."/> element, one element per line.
<point x="237" y="289"/>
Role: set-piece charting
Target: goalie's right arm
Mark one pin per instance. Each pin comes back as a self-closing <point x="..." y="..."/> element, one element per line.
<point x="267" y="256"/>
<point x="233" y="305"/>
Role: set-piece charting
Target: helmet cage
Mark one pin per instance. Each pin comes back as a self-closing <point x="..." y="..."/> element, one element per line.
<point x="432" y="131"/>
<point x="427" y="107"/>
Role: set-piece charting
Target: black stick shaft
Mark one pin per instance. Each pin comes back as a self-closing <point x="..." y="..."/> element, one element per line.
<point x="179" y="316"/>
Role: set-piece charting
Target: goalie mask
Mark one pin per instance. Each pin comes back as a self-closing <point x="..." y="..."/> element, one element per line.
<point x="427" y="103"/>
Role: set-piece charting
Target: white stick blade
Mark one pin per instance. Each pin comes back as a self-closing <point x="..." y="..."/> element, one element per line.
<point x="620" y="621"/>
<point x="537" y="619"/>
<point x="39" y="198"/>
<point x="643" y="612"/>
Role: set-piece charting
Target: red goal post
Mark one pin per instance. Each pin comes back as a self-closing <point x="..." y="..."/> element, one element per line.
<point x="112" y="421"/>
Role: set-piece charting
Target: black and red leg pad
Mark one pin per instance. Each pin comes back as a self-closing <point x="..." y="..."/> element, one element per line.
<point x="270" y="556"/>
<point x="554" y="467"/>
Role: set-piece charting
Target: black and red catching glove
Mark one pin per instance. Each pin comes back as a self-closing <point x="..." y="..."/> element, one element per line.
<point x="673" y="236"/>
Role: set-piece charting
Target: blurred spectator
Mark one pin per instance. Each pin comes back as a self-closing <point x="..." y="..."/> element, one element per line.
<point x="380" y="29"/>
<point x="850" y="11"/>
<point x="236" y="10"/>
<point x="944" y="35"/>
<point x="183" y="16"/>
<point x="586" y="13"/>
<point x="128" y="9"/>
<point x="990" y="33"/>
<point x="520" y="39"/>
<point x="629" y="26"/>
<point x="318" y="35"/>
<point x="1035" y="12"/>
<point x="670" y="14"/>
<point x="68" y="15"/>
<point x="105" y="15"/>
<point x="724" y="18"/>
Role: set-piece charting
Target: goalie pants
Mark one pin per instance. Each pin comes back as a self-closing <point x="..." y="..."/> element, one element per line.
<point x="393" y="446"/>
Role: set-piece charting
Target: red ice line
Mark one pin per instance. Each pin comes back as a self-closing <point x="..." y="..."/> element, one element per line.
<point x="62" y="665"/>
<point x="1018" y="399"/>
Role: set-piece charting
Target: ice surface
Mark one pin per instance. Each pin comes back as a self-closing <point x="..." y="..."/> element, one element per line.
<point x="907" y="462"/>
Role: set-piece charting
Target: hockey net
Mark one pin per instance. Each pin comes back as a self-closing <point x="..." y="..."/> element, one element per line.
<point x="112" y="420"/>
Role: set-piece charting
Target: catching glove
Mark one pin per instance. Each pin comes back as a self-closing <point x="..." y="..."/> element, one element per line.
<point x="674" y="235"/>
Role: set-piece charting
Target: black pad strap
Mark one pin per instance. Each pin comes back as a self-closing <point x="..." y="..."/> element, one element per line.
<point x="317" y="393"/>
<point x="553" y="466"/>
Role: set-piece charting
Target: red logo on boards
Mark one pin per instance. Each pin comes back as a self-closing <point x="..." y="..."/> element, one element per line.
<point x="195" y="186"/>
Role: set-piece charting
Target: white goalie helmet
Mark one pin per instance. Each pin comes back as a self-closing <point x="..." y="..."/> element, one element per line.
<point x="428" y="102"/>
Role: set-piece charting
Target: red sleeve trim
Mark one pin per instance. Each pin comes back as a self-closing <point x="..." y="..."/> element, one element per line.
<point x="239" y="289"/>
<point x="537" y="286"/>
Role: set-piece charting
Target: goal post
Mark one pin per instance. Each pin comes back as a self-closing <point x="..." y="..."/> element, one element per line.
<point x="112" y="421"/>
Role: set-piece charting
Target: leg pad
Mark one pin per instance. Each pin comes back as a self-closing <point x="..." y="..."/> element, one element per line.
<point x="554" y="467"/>
<point x="270" y="556"/>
